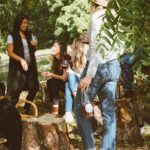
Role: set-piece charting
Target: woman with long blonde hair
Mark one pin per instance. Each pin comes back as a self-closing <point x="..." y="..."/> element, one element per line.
<point x="79" y="50"/>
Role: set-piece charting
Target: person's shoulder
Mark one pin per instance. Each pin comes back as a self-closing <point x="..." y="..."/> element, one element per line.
<point x="12" y="35"/>
<point x="9" y="39"/>
<point x="9" y="36"/>
<point x="99" y="14"/>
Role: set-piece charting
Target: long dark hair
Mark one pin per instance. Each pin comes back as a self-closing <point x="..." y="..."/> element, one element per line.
<point x="17" y="23"/>
<point x="57" y="63"/>
<point x="18" y="20"/>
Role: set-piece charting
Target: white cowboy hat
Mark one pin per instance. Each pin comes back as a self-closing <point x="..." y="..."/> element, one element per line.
<point x="101" y="2"/>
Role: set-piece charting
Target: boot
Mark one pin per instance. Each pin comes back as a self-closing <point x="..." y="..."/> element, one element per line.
<point x="55" y="109"/>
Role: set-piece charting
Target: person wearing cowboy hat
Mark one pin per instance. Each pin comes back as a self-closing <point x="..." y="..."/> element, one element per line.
<point x="100" y="77"/>
<point x="100" y="2"/>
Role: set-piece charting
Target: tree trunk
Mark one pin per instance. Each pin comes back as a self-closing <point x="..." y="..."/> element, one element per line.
<point x="129" y="120"/>
<point x="47" y="132"/>
<point x="129" y="114"/>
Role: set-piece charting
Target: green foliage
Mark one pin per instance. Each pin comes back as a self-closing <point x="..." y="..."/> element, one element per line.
<point x="49" y="19"/>
<point x="7" y="14"/>
<point x="2" y="44"/>
<point x="129" y="21"/>
<point x="8" y="10"/>
<point x="73" y="19"/>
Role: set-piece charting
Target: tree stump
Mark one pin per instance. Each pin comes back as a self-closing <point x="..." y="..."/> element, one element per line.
<point x="129" y="120"/>
<point x="129" y="115"/>
<point x="47" y="132"/>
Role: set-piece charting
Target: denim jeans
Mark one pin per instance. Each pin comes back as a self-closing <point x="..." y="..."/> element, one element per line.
<point x="104" y="85"/>
<point x="70" y="87"/>
<point x="127" y="62"/>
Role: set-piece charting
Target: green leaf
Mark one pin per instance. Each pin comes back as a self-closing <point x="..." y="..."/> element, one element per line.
<point x="136" y="65"/>
<point x="103" y="46"/>
<point x="125" y="29"/>
<point x="108" y="33"/>
<point x="145" y="62"/>
<point x="106" y="39"/>
<point x="119" y="3"/>
<point x="121" y="36"/>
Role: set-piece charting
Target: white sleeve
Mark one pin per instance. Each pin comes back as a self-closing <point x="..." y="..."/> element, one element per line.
<point x="9" y="39"/>
<point x="95" y="55"/>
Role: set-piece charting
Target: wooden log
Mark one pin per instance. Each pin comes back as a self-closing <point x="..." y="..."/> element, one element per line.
<point x="129" y="120"/>
<point x="30" y="139"/>
<point x="47" y="132"/>
<point x="129" y="115"/>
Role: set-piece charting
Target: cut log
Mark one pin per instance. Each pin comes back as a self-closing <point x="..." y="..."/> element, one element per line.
<point x="30" y="139"/>
<point x="129" y="114"/>
<point x="129" y="120"/>
<point x="47" y="132"/>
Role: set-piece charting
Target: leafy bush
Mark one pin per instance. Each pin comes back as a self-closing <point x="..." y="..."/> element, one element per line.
<point x="129" y="22"/>
<point x="49" y="19"/>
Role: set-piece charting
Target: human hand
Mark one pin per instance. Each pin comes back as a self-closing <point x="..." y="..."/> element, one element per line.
<point x="46" y="74"/>
<point x="85" y="83"/>
<point x="34" y="42"/>
<point x="24" y="64"/>
<point x="84" y="37"/>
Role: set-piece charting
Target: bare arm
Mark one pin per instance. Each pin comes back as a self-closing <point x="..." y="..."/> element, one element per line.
<point x="10" y="51"/>
<point x="60" y="77"/>
<point x="55" y="76"/>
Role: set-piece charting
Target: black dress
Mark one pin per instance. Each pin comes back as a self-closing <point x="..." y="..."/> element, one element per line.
<point x="18" y="79"/>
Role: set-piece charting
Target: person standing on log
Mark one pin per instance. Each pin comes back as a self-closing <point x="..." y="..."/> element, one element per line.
<point x="22" y="74"/>
<point x="58" y="76"/>
<point x="100" y="76"/>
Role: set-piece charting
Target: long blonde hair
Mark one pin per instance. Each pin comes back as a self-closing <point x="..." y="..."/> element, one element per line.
<point x="78" y="54"/>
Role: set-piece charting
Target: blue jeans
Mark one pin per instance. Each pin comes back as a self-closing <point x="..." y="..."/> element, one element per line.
<point x="127" y="62"/>
<point x="104" y="85"/>
<point x="70" y="87"/>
